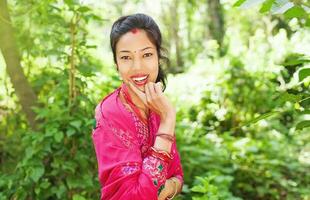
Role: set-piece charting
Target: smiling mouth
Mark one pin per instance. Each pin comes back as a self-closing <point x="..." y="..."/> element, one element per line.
<point x="140" y="81"/>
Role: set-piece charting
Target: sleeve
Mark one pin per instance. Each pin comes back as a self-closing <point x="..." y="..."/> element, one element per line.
<point x="122" y="172"/>
<point x="176" y="166"/>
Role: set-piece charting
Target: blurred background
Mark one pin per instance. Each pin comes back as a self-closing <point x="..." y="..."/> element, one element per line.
<point x="238" y="75"/>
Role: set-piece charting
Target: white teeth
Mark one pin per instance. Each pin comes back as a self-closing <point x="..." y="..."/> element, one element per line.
<point x="140" y="78"/>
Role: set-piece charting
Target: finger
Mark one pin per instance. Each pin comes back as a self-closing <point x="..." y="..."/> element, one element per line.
<point x="158" y="88"/>
<point x="140" y="94"/>
<point x="151" y="87"/>
<point x="147" y="95"/>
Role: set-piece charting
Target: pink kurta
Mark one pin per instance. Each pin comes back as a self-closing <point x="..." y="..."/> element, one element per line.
<point x="121" y="141"/>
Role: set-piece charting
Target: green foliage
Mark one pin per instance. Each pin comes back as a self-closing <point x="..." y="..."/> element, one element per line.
<point x="289" y="9"/>
<point x="46" y="163"/>
<point x="214" y="187"/>
<point x="260" y="162"/>
<point x="246" y="137"/>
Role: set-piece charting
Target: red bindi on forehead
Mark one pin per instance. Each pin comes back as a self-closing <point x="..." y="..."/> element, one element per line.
<point x="134" y="30"/>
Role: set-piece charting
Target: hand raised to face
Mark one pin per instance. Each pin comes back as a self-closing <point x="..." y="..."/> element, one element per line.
<point x="154" y="99"/>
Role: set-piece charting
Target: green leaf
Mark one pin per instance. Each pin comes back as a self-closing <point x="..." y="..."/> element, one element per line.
<point x="70" y="132"/>
<point x="295" y="11"/>
<point x="37" y="190"/>
<point x="238" y="3"/>
<point x="264" y="116"/>
<point x="58" y="136"/>
<point x="45" y="184"/>
<point x="36" y="173"/>
<point x="303" y="73"/>
<point x="74" y="182"/>
<point x="307" y="24"/>
<point x="305" y="112"/>
<point x="295" y="59"/>
<point x="289" y="97"/>
<point x="303" y="124"/>
<point x="83" y="9"/>
<point x="69" y="2"/>
<point x="77" y="124"/>
<point x="78" y="197"/>
<point x="266" y="6"/>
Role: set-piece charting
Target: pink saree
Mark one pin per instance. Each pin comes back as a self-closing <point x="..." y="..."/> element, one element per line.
<point x="121" y="141"/>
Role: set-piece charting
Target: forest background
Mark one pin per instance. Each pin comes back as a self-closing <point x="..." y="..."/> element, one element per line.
<point x="238" y="75"/>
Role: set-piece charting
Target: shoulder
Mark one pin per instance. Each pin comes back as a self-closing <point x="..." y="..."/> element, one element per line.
<point x="107" y="106"/>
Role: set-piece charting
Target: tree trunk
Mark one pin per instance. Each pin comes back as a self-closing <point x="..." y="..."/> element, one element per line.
<point x="216" y="21"/>
<point x="11" y="56"/>
<point x="175" y="32"/>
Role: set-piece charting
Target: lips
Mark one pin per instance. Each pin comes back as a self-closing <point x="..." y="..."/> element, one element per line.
<point x="140" y="79"/>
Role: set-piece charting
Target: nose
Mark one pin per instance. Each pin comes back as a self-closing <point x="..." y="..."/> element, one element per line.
<point x="137" y="63"/>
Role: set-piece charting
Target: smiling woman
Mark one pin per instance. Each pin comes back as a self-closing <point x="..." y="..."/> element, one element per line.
<point x="134" y="137"/>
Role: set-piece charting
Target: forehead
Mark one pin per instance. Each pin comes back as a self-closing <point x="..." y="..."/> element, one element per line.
<point x="134" y="40"/>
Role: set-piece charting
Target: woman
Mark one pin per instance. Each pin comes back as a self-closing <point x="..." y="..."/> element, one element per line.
<point x="134" y="136"/>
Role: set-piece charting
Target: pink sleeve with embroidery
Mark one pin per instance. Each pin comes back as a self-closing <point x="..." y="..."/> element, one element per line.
<point x="176" y="165"/>
<point x="123" y="173"/>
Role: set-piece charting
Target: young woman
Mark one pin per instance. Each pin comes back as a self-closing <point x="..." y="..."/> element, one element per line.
<point x="134" y="137"/>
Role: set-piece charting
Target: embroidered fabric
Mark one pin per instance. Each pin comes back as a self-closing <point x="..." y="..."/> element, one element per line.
<point x="156" y="167"/>
<point x="124" y="136"/>
<point x="130" y="168"/>
<point x="143" y="132"/>
<point x="121" y="141"/>
<point x="157" y="170"/>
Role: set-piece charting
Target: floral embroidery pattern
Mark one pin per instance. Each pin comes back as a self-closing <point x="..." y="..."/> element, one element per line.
<point x="157" y="169"/>
<point x="142" y="133"/>
<point x="130" y="168"/>
<point x="124" y="136"/>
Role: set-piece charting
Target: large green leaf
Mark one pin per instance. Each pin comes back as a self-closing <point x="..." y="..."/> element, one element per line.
<point x="36" y="173"/>
<point x="303" y="124"/>
<point x="78" y="197"/>
<point x="295" y="59"/>
<point x="263" y="116"/>
<point x="303" y="73"/>
<point x="58" y="136"/>
<point x="289" y="97"/>
<point x="239" y="2"/>
<point x="77" y="124"/>
<point x="266" y="6"/>
<point x="295" y="11"/>
<point x="83" y="9"/>
<point x="305" y="112"/>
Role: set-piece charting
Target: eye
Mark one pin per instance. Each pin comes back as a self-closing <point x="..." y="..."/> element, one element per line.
<point x="147" y="55"/>
<point x="125" y="57"/>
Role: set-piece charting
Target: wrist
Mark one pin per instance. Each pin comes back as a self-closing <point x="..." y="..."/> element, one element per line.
<point x="174" y="189"/>
<point x="169" y="116"/>
<point x="166" y="127"/>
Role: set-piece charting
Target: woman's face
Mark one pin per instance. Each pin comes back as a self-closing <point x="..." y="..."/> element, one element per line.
<point x="137" y="58"/>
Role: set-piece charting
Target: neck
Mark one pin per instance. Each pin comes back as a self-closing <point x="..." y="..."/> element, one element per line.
<point x="135" y="99"/>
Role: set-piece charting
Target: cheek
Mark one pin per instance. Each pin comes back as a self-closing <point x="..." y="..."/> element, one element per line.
<point x="152" y="63"/>
<point x="153" y="68"/>
<point x="122" y="70"/>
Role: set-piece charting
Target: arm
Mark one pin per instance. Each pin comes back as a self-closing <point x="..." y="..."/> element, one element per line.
<point x="123" y="173"/>
<point x="170" y="186"/>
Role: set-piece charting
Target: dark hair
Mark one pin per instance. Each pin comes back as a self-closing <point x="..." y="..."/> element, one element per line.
<point x="141" y="21"/>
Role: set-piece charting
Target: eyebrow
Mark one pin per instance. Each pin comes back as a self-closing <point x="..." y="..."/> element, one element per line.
<point x="127" y="51"/>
